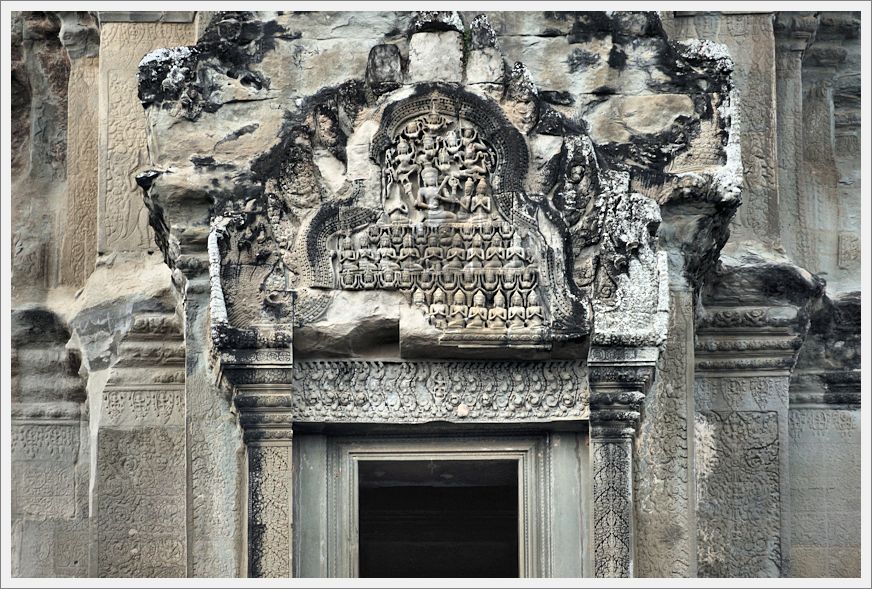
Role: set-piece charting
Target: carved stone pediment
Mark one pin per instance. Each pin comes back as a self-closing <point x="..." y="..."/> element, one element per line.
<point x="453" y="234"/>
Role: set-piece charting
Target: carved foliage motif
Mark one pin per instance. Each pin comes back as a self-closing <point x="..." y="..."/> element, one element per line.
<point x="424" y="391"/>
<point x="141" y="503"/>
<point x="269" y="516"/>
<point x="738" y="494"/>
<point x="611" y="509"/>
<point x="43" y="467"/>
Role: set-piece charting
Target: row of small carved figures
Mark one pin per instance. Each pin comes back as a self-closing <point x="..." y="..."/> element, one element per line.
<point x="421" y="232"/>
<point x="520" y="314"/>
<point x="488" y="279"/>
<point x="498" y="254"/>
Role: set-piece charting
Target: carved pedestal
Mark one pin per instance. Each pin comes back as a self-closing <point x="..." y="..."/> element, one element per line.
<point x="619" y="378"/>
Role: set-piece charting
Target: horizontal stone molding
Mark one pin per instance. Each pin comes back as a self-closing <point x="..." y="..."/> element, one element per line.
<point x="170" y="16"/>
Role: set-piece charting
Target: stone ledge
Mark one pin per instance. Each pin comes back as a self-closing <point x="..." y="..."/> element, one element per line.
<point x="172" y="16"/>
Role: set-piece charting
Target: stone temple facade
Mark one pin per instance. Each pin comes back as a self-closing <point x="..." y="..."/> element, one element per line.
<point x="276" y="273"/>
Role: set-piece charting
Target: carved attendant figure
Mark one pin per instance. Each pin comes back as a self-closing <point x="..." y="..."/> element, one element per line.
<point x="535" y="314"/>
<point x="475" y="253"/>
<point x="481" y="202"/>
<point x="457" y="317"/>
<point x="366" y="257"/>
<point x="496" y="316"/>
<point x="386" y="253"/>
<point x="433" y="253"/>
<point x="516" y="256"/>
<point x="456" y="253"/>
<point x="477" y="316"/>
<point x="438" y="310"/>
<point x="409" y="255"/>
<point x="517" y="312"/>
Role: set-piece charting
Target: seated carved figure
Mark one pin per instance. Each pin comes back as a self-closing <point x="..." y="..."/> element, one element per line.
<point x="347" y="255"/>
<point x="366" y="256"/>
<point x="427" y="278"/>
<point x="386" y="253"/>
<point x="433" y="254"/>
<point x="469" y="278"/>
<point x="459" y="309"/>
<point x="497" y="315"/>
<point x="456" y="254"/>
<point x="477" y="315"/>
<point x="516" y="256"/>
<point x="388" y="277"/>
<point x="475" y="253"/>
<point x="429" y="196"/>
<point x="493" y="256"/>
<point x="528" y="277"/>
<point x="409" y="255"/>
<point x="368" y="278"/>
<point x="490" y="280"/>
<point x="535" y="313"/>
<point x="517" y="312"/>
<point x="481" y="202"/>
<point x="418" y="298"/>
<point x="438" y="310"/>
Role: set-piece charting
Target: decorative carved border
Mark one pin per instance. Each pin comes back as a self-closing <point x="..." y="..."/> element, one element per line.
<point x="417" y="392"/>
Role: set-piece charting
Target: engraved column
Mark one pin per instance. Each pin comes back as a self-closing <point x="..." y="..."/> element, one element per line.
<point x="81" y="39"/>
<point x="263" y="399"/>
<point x="743" y="357"/>
<point x="619" y="378"/>
<point x="793" y="30"/>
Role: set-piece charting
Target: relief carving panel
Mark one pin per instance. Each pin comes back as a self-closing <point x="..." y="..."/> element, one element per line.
<point x="122" y="216"/>
<point x="738" y="489"/>
<point x="140" y="502"/>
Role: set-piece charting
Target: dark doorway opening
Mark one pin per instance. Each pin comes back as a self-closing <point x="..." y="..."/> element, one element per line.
<point x="438" y="518"/>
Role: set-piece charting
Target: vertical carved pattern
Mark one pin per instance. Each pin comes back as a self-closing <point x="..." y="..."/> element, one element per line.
<point x="611" y="509"/>
<point x="78" y="249"/>
<point x="824" y="492"/>
<point x="122" y="153"/>
<point x="738" y="494"/>
<point x="141" y="503"/>
<point x="269" y="511"/>
<point x="661" y="468"/>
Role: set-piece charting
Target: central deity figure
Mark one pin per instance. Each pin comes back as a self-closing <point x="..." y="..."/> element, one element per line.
<point x="438" y="170"/>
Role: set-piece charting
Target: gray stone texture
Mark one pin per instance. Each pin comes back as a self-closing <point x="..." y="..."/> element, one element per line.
<point x="213" y="258"/>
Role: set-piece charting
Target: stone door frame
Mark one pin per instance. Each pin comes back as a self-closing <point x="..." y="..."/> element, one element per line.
<point x="534" y="515"/>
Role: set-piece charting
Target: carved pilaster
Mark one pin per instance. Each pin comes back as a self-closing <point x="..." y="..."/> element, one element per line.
<point x="263" y="400"/>
<point x="744" y="356"/>
<point x="140" y="485"/>
<point x="619" y="378"/>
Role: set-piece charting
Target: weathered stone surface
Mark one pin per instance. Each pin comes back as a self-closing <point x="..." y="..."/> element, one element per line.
<point x="342" y="224"/>
<point x="78" y="245"/>
<point x="122" y="220"/>
<point x="435" y="57"/>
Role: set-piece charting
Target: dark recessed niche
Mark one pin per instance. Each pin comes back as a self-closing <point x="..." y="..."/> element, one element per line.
<point x="438" y="518"/>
